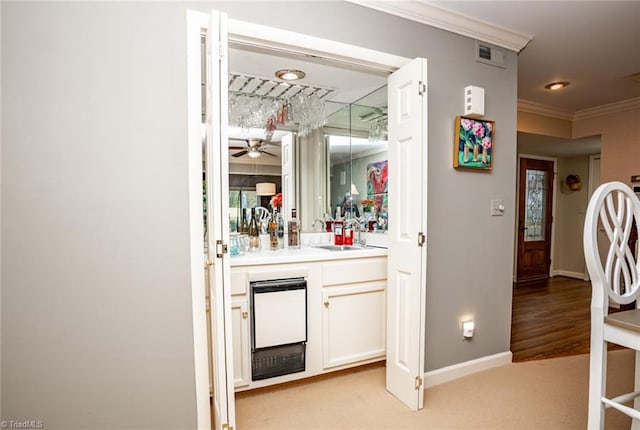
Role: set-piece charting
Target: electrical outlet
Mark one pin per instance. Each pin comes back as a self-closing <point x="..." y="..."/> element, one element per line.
<point x="497" y="207"/>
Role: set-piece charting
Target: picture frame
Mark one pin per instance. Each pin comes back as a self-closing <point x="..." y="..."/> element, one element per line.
<point x="474" y="143"/>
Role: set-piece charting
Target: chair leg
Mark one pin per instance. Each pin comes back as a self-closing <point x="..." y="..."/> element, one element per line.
<point x="597" y="380"/>
<point x="635" y="424"/>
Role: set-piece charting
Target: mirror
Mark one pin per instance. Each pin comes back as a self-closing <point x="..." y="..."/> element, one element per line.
<point x="339" y="160"/>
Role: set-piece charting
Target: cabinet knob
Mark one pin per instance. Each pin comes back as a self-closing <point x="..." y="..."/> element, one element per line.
<point x="326" y="304"/>
<point x="245" y="315"/>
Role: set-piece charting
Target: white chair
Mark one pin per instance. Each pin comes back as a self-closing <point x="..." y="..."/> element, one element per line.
<point x="262" y="217"/>
<point x="615" y="279"/>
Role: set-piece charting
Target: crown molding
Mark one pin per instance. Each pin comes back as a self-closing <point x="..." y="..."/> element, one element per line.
<point x="445" y="19"/>
<point x="608" y="109"/>
<point x="539" y="109"/>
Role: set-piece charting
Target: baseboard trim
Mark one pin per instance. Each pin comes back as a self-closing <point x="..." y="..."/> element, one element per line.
<point x="568" y="274"/>
<point x="449" y="373"/>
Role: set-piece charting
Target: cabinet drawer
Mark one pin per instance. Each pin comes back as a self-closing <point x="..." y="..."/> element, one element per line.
<point x="351" y="271"/>
<point x="239" y="282"/>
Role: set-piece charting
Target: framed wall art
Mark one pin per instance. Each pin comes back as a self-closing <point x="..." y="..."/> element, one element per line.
<point x="474" y="143"/>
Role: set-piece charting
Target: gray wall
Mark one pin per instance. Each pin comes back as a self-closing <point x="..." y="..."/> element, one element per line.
<point x="96" y="300"/>
<point x="96" y="310"/>
<point x="470" y="253"/>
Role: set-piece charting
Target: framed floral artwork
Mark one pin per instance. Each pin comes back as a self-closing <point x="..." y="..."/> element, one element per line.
<point x="474" y="143"/>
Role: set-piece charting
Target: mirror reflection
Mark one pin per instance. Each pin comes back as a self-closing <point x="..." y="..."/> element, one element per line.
<point x="322" y="147"/>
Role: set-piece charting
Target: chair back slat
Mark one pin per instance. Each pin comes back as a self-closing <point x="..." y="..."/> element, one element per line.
<point x="616" y="209"/>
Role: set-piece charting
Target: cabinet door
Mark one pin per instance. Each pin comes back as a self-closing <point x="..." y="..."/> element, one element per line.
<point x="353" y="323"/>
<point x="241" y="348"/>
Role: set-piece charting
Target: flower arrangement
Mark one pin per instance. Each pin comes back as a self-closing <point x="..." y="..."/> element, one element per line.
<point x="368" y="204"/>
<point x="276" y="200"/>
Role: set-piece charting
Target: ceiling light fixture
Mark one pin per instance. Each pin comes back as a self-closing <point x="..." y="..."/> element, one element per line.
<point x="553" y="86"/>
<point x="290" y="74"/>
<point x="253" y="153"/>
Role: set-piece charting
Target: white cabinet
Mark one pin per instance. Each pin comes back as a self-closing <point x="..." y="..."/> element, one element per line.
<point x="241" y="341"/>
<point x="353" y="323"/>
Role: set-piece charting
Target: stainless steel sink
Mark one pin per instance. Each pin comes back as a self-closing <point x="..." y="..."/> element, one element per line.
<point x="340" y="247"/>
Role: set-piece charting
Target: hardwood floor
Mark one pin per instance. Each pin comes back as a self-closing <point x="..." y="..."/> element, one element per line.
<point x="550" y="318"/>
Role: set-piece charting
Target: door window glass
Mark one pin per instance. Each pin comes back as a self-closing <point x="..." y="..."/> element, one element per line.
<point x="535" y="199"/>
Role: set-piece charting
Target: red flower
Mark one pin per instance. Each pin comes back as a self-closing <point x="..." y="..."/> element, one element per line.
<point x="276" y="201"/>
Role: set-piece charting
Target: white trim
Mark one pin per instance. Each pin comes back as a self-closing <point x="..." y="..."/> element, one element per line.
<point x="435" y="16"/>
<point x="569" y="274"/>
<point x="608" y="109"/>
<point x="301" y="44"/>
<point x="195" y="22"/>
<point x="592" y="188"/>
<point x="538" y="109"/>
<point x="449" y="373"/>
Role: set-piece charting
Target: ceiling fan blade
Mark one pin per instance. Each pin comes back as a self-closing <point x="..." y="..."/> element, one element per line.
<point x="268" y="153"/>
<point x="240" y="154"/>
<point x="237" y="147"/>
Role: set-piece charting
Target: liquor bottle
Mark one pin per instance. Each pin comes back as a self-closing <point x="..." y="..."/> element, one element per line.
<point x="280" y="222"/>
<point x="273" y="231"/>
<point x="294" y="231"/>
<point x="348" y="233"/>
<point x="338" y="232"/>
<point x="244" y="225"/>
<point x="254" y="232"/>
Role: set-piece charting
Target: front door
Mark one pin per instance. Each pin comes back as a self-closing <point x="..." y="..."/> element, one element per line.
<point x="535" y="200"/>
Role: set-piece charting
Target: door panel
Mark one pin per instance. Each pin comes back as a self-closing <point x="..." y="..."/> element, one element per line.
<point x="407" y="221"/>
<point x="216" y="172"/>
<point x="535" y="200"/>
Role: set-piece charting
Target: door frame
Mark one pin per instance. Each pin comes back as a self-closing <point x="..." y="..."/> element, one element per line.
<point x="261" y="36"/>
<point x="553" y="211"/>
<point x="592" y="187"/>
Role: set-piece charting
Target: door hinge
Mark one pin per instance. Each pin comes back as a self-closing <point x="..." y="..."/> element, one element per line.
<point x="421" y="239"/>
<point x="219" y="51"/>
<point x="418" y="382"/>
<point x="221" y="248"/>
<point x="227" y="427"/>
<point x="422" y="88"/>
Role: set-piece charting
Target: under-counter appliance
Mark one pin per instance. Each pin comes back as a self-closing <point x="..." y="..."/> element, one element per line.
<point x="278" y="327"/>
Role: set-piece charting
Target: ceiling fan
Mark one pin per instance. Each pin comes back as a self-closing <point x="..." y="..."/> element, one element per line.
<point x="253" y="148"/>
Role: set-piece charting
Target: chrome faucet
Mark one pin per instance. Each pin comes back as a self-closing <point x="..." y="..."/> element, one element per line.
<point x="357" y="227"/>
<point x="322" y="225"/>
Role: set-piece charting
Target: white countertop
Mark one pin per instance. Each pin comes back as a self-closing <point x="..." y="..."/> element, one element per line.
<point x="306" y="253"/>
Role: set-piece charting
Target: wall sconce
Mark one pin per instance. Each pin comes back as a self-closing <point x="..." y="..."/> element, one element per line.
<point x="573" y="182"/>
<point x="467" y="329"/>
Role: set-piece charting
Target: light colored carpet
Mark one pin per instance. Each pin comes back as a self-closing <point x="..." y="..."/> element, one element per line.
<point x="545" y="394"/>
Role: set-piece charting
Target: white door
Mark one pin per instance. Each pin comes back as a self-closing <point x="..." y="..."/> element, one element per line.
<point x="406" y="266"/>
<point x="217" y="175"/>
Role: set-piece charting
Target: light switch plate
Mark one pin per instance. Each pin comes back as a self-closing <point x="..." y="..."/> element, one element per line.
<point x="497" y="207"/>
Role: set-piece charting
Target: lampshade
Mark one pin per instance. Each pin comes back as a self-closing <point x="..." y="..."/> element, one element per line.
<point x="265" y="188"/>
<point x="354" y="190"/>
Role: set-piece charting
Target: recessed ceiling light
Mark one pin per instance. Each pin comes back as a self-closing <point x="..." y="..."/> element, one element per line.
<point x="553" y="86"/>
<point x="290" y="74"/>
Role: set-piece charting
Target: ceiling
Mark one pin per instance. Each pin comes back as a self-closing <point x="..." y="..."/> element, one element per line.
<point x="594" y="45"/>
